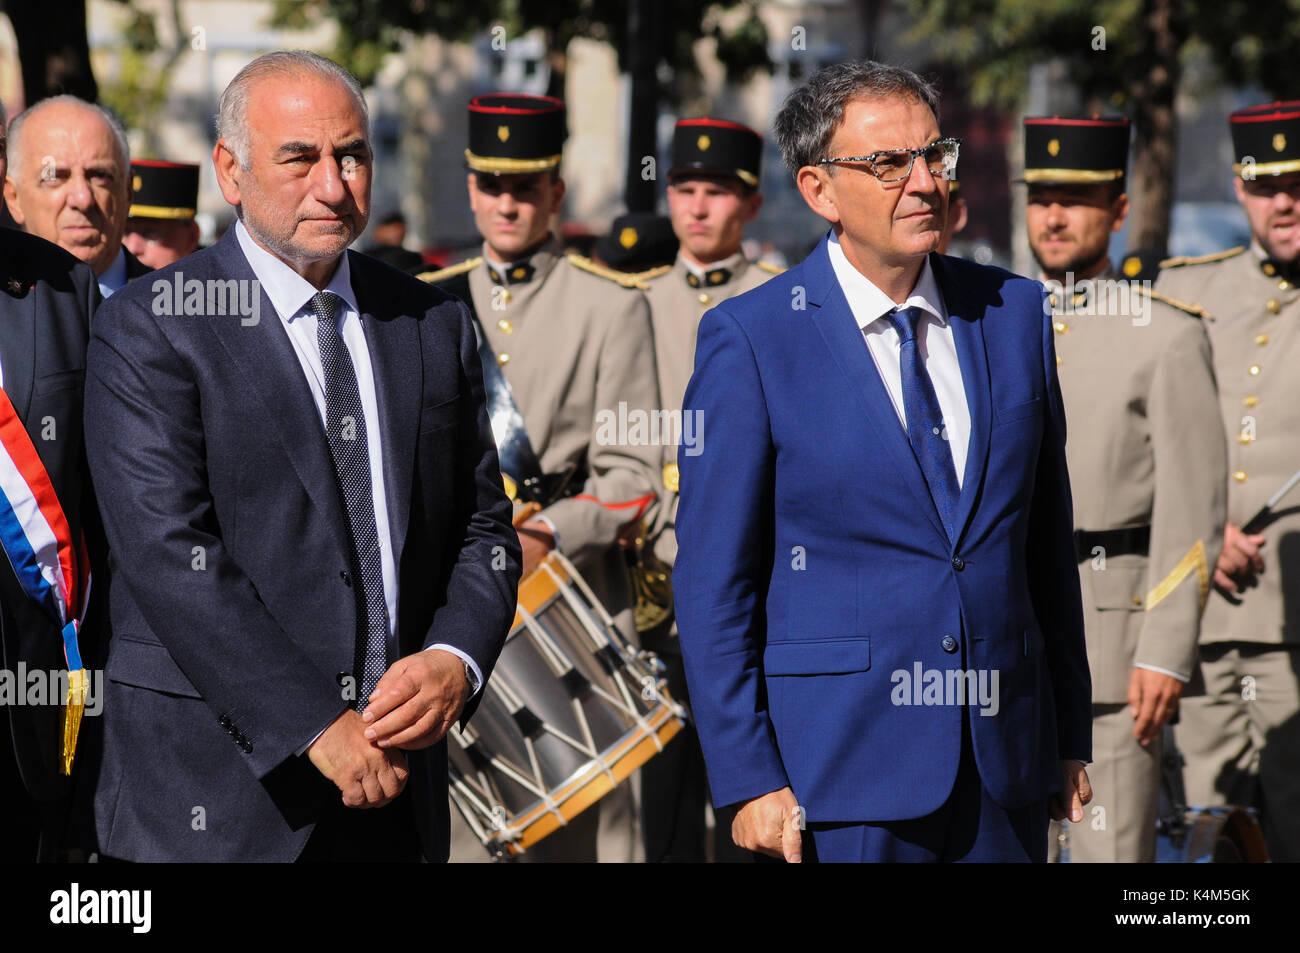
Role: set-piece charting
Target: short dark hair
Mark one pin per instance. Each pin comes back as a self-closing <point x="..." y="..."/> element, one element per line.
<point x="811" y="114"/>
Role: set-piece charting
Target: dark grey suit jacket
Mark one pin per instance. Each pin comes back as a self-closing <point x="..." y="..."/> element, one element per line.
<point x="233" y="615"/>
<point x="46" y="299"/>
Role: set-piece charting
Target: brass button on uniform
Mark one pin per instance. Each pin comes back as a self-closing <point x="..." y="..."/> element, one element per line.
<point x="1254" y="370"/>
<point x="1284" y="284"/>
<point x="1137" y="600"/>
<point x="1245" y="438"/>
<point x="1261" y="339"/>
<point x="1269" y="268"/>
<point x="1250" y="400"/>
<point x="1239" y="476"/>
<point x="704" y="299"/>
<point x="1061" y="327"/>
<point x="503" y="359"/>
<point x="505" y="326"/>
<point x="1273" y="306"/>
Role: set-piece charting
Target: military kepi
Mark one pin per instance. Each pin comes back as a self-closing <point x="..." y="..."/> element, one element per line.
<point x="1266" y="139"/>
<point x="512" y="133"/>
<point x="716" y="147"/>
<point x="167" y="190"/>
<point x="1075" y="151"/>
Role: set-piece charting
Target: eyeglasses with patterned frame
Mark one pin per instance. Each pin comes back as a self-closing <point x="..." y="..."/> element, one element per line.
<point x="895" y="165"/>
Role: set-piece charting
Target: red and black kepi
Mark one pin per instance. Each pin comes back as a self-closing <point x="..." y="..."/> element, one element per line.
<point x="166" y="190"/>
<point x="511" y="133"/>
<point x="1266" y="139"/>
<point x="1075" y="151"/>
<point x="716" y="147"/>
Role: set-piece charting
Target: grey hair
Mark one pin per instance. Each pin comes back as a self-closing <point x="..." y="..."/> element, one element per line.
<point x="810" y="114"/>
<point x="232" y="111"/>
<point x="114" y="126"/>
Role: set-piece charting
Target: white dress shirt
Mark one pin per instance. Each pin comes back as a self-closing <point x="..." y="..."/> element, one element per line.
<point x="871" y="308"/>
<point x="291" y="296"/>
<point x="113" y="279"/>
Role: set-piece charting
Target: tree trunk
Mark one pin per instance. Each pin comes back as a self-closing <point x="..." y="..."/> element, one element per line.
<point x="1152" y="90"/>
<point x="53" y="49"/>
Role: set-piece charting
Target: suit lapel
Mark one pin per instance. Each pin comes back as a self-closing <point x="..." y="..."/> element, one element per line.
<point x="839" y="329"/>
<point x="274" y="373"/>
<point x="394" y="344"/>
<point x="968" y="334"/>
<point x="18" y="345"/>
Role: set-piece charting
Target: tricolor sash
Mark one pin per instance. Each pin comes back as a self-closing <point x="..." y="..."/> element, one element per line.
<point x="53" y="571"/>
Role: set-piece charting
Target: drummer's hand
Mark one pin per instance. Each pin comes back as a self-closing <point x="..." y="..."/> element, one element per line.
<point x="770" y="825"/>
<point x="537" y="540"/>
<point x="1152" y="701"/>
<point x="1076" y="791"/>
<point x="417" y="701"/>
<point x="1240" y="560"/>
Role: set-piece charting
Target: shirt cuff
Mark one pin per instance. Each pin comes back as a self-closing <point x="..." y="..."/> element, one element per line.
<point x="1163" y="671"/>
<point x="551" y="526"/>
<point x="471" y="667"/>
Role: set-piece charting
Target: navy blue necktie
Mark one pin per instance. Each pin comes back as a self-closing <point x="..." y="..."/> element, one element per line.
<point x="925" y="427"/>
<point x="346" y="430"/>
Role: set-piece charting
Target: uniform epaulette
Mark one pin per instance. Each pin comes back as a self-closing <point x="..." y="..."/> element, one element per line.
<point x="619" y="277"/>
<point x="451" y="271"/>
<point x="770" y="269"/>
<point x="651" y="273"/>
<point x="1193" y="309"/>
<point x="1180" y="260"/>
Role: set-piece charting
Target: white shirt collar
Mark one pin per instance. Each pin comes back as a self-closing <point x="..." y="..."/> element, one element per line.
<point x="868" y="303"/>
<point x="290" y="292"/>
<point x="113" y="279"/>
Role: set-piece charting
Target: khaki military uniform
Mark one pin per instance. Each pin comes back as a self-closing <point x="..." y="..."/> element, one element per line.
<point x="574" y="345"/>
<point x="1240" y="727"/>
<point x="678" y="299"/>
<point x="1145" y="455"/>
<point x="675" y="785"/>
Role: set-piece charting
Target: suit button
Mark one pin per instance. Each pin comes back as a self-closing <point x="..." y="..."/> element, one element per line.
<point x="347" y="578"/>
<point x="949" y="644"/>
<point x="958" y="564"/>
<point x="225" y="721"/>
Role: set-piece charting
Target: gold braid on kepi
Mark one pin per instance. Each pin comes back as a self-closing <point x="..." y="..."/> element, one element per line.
<point x="514" y="133"/>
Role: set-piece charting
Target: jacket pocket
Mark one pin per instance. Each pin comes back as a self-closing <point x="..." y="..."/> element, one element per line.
<point x="817" y="656"/>
<point x="440" y="415"/>
<point x="1026" y="408"/>
<point x="1119" y="588"/>
<point x="147" y="665"/>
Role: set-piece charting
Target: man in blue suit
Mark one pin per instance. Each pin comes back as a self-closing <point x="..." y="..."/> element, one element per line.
<point x="315" y="567"/>
<point x="877" y="590"/>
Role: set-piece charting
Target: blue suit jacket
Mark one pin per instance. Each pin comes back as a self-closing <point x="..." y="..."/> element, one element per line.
<point x="233" y="616"/>
<point x="814" y="568"/>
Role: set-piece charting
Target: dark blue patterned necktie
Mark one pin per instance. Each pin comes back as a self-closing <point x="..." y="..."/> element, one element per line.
<point x="345" y="426"/>
<point x="925" y="427"/>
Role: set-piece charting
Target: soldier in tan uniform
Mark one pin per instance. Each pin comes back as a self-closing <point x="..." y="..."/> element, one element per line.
<point x="1147" y="471"/>
<point x="574" y="347"/>
<point x="712" y="194"/>
<point x="1240" y="727"/>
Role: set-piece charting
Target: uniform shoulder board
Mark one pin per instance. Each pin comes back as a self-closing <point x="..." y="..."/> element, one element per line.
<point x="1195" y="310"/>
<point x="770" y="269"/>
<point x="1180" y="260"/>
<point x="652" y="273"/>
<point x="619" y="277"/>
<point x="451" y="271"/>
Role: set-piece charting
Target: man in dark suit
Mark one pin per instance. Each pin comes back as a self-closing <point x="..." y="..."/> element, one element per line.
<point x="46" y="299"/>
<point x="316" y="563"/>
<point x="876" y="586"/>
<point x="69" y="182"/>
